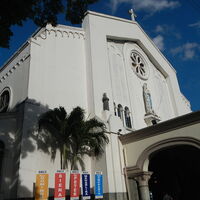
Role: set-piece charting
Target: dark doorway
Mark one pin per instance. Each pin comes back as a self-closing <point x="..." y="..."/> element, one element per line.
<point x="176" y="173"/>
<point x="1" y="159"/>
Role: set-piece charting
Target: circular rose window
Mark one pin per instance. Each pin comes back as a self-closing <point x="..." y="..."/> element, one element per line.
<point x="4" y="101"/>
<point x="138" y="65"/>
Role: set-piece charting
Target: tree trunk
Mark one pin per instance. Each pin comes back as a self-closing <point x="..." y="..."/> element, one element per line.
<point x="61" y="159"/>
<point x="73" y="162"/>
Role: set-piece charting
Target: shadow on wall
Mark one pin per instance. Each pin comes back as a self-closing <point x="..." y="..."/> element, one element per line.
<point x="18" y="133"/>
<point x="30" y="140"/>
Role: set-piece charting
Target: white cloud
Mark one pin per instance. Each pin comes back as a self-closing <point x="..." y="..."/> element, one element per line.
<point x="196" y="25"/>
<point x="167" y="30"/>
<point x="186" y="51"/>
<point x="164" y="28"/>
<point x="159" y="42"/>
<point x="146" y="5"/>
<point x="159" y="29"/>
<point x="115" y="3"/>
<point x="154" y="5"/>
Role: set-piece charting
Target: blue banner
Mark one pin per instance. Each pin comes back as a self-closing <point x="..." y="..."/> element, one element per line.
<point x="98" y="185"/>
<point x="86" y="185"/>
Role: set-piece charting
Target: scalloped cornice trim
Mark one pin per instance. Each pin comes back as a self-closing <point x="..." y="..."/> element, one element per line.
<point x="60" y="32"/>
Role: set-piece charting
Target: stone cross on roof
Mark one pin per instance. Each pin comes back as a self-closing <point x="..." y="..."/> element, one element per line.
<point x="133" y="15"/>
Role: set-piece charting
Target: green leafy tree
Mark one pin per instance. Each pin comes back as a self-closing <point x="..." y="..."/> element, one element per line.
<point x="15" y="12"/>
<point x="73" y="136"/>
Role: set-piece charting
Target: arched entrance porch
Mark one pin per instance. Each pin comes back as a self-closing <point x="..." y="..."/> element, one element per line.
<point x="170" y="167"/>
<point x="176" y="173"/>
<point x="142" y="145"/>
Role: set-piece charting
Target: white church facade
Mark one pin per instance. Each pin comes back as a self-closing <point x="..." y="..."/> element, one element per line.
<point x="113" y="70"/>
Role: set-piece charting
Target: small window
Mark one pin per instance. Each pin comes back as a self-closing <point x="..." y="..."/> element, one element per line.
<point x="115" y="109"/>
<point x="127" y="117"/>
<point x="120" y="112"/>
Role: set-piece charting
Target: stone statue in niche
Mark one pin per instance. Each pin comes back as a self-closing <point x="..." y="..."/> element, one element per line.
<point x="147" y="100"/>
<point x="150" y="117"/>
<point x="105" y="100"/>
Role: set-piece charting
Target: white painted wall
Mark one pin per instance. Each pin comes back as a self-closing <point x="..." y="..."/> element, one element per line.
<point x="156" y="83"/>
<point x="98" y="28"/>
<point x="108" y="72"/>
<point x="127" y="86"/>
<point x="14" y="75"/>
<point x="57" y="69"/>
<point x="57" y="78"/>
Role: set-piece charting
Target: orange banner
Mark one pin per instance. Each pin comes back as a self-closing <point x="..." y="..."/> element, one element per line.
<point x="41" y="185"/>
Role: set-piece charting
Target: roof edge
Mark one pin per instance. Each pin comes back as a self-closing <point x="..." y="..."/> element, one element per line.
<point x="19" y="50"/>
<point x="110" y="17"/>
<point x="163" y="127"/>
<point x="131" y="22"/>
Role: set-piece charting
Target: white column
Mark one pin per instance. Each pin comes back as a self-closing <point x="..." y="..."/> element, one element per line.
<point x="142" y="178"/>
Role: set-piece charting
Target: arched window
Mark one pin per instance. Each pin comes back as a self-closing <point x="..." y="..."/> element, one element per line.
<point x="4" y="100"/>
<point x="115" y="109"/>
<point x="120" y="112"/>
<point x="127" y="117"/>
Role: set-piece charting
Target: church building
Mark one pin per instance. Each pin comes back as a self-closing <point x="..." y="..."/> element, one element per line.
<point x="113" y="70"/>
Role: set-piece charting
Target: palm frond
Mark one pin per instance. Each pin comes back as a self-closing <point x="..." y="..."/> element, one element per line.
<point x="72" y="135"/>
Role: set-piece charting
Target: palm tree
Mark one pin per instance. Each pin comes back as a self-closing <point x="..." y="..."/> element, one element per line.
<point x="87" y="137"/>
<point x="73" y="136"/>
<point x="56" y="137"/>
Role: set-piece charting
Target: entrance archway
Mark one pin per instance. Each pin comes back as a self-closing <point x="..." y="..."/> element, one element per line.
<point x="176" y="173"/>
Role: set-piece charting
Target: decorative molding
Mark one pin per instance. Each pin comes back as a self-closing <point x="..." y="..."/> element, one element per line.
<point x="163" y="127"/>
<point x="142" y="177"/>
<point x="132" y="171"/>
<point x="139" y="65"/>
<point x="13" y="68"/>
<point x="60" y="32"/>
<point x="165" y="144"/>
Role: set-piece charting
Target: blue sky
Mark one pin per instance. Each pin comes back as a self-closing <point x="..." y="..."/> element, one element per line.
<point x="174" y="25"/>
